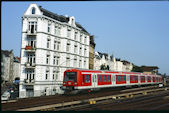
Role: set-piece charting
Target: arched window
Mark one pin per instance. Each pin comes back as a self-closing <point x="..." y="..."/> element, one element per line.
<point x="33" y="10"/>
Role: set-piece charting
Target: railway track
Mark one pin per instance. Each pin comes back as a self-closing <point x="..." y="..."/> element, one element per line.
<point x="51" y="100"/>
<point x="154" y="101"/>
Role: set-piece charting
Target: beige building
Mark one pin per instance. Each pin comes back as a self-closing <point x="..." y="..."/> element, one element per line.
<point x="91" y="52"/>
<point x="150" y="69"/>
<point x="111" y="63"/>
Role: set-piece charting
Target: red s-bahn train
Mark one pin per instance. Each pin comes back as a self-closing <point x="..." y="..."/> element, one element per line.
<point x="76" y="80"/>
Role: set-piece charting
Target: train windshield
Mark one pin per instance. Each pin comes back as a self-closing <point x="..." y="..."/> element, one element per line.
<point x="70" y="76"/>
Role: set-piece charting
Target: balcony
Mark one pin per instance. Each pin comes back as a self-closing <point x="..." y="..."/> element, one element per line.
<point x="29" y="81"/>
<point x="31" y="33"/>
<point x="29" y="49"/>
<point x="29" y="65"/>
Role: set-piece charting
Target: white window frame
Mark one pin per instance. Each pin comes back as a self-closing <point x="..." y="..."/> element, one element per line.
<point x="34" y="23"/>
<point x="58" y="46"/>
<point x="48" y="43"/>
<point x="47" y="75"/>
<point x="68" y="61"/>
<point x="49" y="28"/>
<point x="48" y="59"/>
<point x="68" y="33"/>
<point x="57" y="60"/>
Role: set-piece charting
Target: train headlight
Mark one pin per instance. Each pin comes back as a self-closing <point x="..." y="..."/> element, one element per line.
<point x="75" y="83"/>
<point x="64" y="83"/>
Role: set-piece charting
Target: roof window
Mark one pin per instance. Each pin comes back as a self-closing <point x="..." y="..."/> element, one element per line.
<point x="33" y="10"/>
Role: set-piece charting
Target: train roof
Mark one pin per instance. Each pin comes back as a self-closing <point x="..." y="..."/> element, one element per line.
<point x="107" y="71"/>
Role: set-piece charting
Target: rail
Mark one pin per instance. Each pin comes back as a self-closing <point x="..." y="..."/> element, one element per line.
<point x="93" y="100"/>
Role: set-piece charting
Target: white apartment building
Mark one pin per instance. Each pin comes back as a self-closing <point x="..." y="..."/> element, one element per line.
<point x="113" y="63"/>
<point x="51" y="44"/>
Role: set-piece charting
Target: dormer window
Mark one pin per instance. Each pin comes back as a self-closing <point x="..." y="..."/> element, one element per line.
<point x="72" y="21"/>
<point x="33" y="10"/>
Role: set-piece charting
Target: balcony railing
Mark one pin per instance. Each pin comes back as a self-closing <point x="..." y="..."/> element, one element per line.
<point x="29" y="81"/>
<point x="31" y="32"/>
<point x="29" y="49"/>
<point x="30" y="65"/>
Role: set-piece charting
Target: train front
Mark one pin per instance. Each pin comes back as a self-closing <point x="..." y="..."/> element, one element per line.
<point x="70" y="81"/>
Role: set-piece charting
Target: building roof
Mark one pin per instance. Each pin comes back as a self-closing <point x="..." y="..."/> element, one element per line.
<point x="149" y="68"/>
<point x="60" y="18"/>
<point x="105" y="55"/>
<point x="125" y="62"/>
<point x="6" y="52"/>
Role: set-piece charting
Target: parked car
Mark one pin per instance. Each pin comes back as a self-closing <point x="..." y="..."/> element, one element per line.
<point x="5" y="96"/>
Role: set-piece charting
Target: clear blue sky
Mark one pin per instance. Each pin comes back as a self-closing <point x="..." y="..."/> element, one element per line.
<point x="133" y="31"/>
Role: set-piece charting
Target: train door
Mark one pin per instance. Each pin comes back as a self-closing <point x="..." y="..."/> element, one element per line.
<point x="94" y="80"/>
<point x="139" y="79"/>
<point x="113" y="79"/>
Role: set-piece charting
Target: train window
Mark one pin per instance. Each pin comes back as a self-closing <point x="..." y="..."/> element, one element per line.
<point x="104" y="78"/>
<point x="121" y="78"/>
<point x="117" y="78"/>
<point x="87" y="78"/>
<point x="131" y="77"/>
<point x="108" y="77"/>
<point x="149" y="78"/>
<point x="136" y="78"/>
<point x="100" y="78"/>
<point x="70" y="76"/>
<point x="142" y="78"/>
<point x="124" y="78"/>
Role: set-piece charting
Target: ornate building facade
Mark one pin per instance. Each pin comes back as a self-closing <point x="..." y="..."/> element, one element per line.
<point x="51" y="44"/>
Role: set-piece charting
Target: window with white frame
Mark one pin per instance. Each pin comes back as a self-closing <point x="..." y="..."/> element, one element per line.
<point x="54" y="60"/>
<point x="75" y="48"/>
<point x="75" y="62"/>
<point x="58" y="46"/>
<point x="33" y="75"/>
<point x="67" y="61"/>
<point x="68" y="33"/>
<point x="48" y="43"/>
<point x="80" y="63"/>
<point x="72" y="21"/>
<point x="80" y="51"/>
<point x="85" y="39"/>
<point x="54" y="46"/>
<point x="32" y="27"/>
<point x="57" y="60"/>
<point x="30" y="74"/>
<point x="54" y="75"/>
<point x="34" y="60"/>
<point x="81" y="37"/>
<point x="59" y="31"/>
<point x="33" y="10"/>
<point x="55" y="30"/>
<point x="49" y="28"/>
<point x="31" y="59"/>
<point x="27" y="74"/>
<point x="47" y="75"/>
<point x="75" y="37"/>
<point x="32" y="43"/>
<point x="84" y="63"/>
<point x="85" y="52"/>
<point x="68" y="47"/>
<point x="47" y="59"/>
